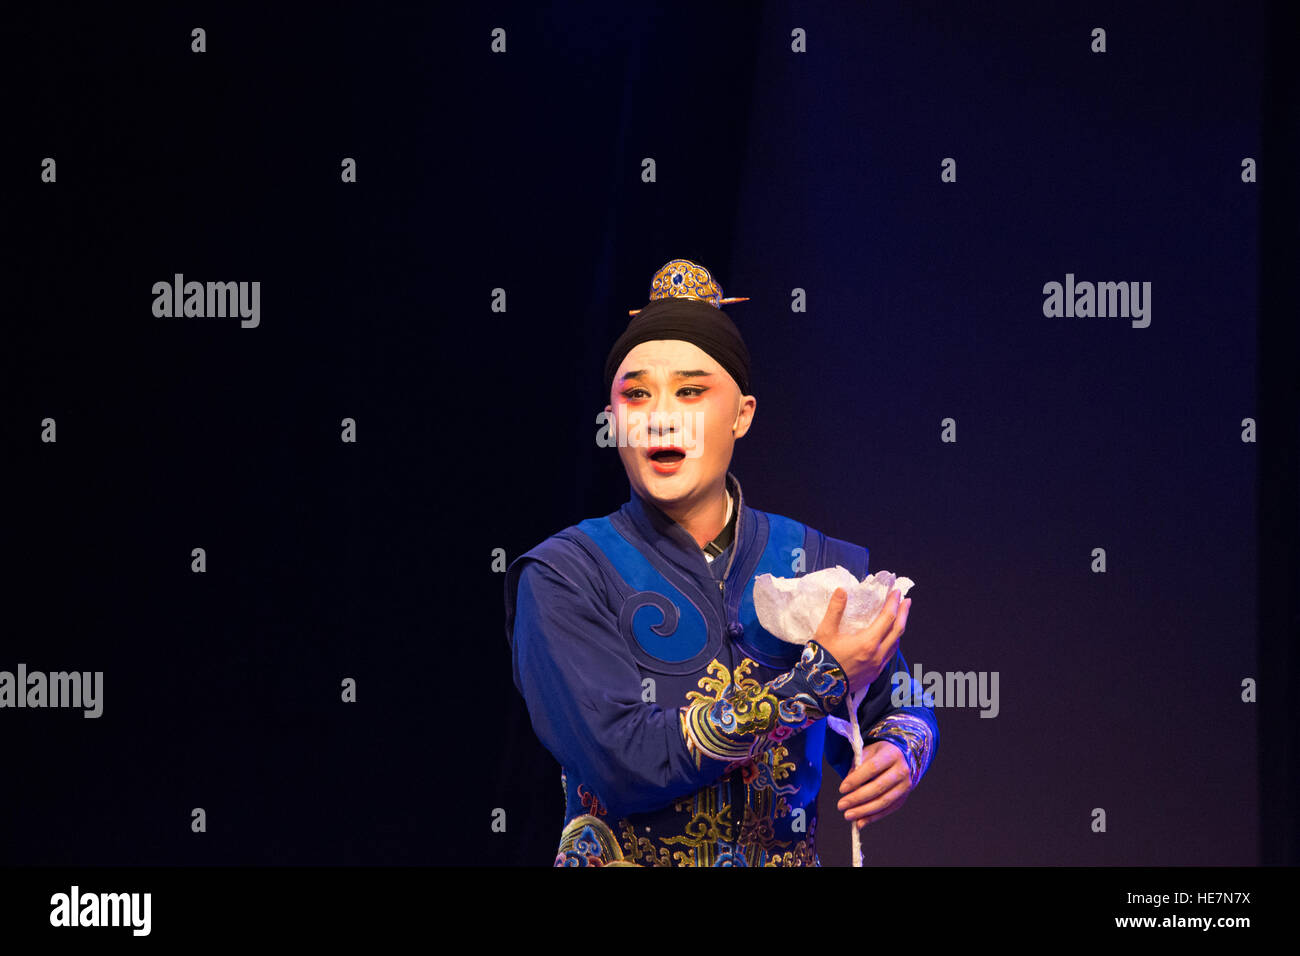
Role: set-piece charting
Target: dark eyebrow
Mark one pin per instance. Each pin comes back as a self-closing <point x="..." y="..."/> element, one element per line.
<point x="691" y="373"/>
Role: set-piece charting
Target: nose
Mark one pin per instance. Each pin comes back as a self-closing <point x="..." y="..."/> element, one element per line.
<point x="661" y="413"/>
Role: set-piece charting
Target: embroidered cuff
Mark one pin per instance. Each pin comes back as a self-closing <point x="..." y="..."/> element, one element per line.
<point x="825" y="680"/>
<point x="736" y="717"/>
<point x="910" y="734"/>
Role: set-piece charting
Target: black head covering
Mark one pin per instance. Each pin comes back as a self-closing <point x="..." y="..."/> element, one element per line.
<point x="687" y="320"/>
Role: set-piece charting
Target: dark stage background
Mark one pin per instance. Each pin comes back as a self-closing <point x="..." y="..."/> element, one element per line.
<point x="475" y="428"/>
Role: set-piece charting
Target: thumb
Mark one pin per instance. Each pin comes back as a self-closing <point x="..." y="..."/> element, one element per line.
<point x="835" y="611"/>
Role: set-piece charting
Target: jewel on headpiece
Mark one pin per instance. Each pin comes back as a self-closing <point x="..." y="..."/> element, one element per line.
<point x="684" y="279"/>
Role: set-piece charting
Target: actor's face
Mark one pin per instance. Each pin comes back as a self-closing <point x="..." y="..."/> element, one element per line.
<point x="678" y="409"/>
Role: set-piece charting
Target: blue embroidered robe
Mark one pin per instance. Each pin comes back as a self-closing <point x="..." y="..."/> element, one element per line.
<point x="686" y="733"/>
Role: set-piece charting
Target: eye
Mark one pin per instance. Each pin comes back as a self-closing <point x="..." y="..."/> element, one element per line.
<point x="695" y="391"/>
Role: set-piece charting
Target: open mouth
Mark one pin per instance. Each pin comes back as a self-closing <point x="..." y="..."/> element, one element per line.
<point x="667" y="459"/>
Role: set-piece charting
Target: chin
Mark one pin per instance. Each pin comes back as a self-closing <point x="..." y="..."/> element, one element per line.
<point x="665" y="488"/>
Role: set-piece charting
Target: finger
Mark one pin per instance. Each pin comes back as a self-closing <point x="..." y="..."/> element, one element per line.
<point x="835" y="611"/>
<point x="875" y="760"/>
<point x="892" y="602"/>
<point x="879" y="814"/>
<point x="900" y="622"/>
<point x="859" y="775"/>
<point x="888" y="646"/>
<point x="882" y="808"/>
<point x="889" y="611"/>
<point x="900" y="611"/>
<point x="871" y="818"/>
<point x="892" y="773"/>
<point x="872" y="790"/>
<point x="880" y="805"/>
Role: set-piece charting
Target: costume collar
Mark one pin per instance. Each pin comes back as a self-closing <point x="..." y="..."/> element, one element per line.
<point x="674" y="542"/>
<point x="715" y="548"/>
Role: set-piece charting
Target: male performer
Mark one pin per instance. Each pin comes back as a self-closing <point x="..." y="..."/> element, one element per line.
<point x="687" y="734"/>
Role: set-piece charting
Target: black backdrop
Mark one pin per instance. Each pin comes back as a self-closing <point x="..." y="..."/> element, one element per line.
<point x="475" y="428"/>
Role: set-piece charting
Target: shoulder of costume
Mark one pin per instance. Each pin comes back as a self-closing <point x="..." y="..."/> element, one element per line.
<point x="824" y="550"/>
<point x="565" y="552"/>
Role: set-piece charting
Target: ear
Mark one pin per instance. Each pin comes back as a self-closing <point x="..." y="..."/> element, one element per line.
<point x="745" y="415"/>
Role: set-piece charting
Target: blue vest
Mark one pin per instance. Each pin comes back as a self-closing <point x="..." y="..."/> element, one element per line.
<point x="676" y="626"/>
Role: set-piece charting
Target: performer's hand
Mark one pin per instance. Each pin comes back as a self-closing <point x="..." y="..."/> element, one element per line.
<point x="863" y="654"/>
<point x="876" y="787"/>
